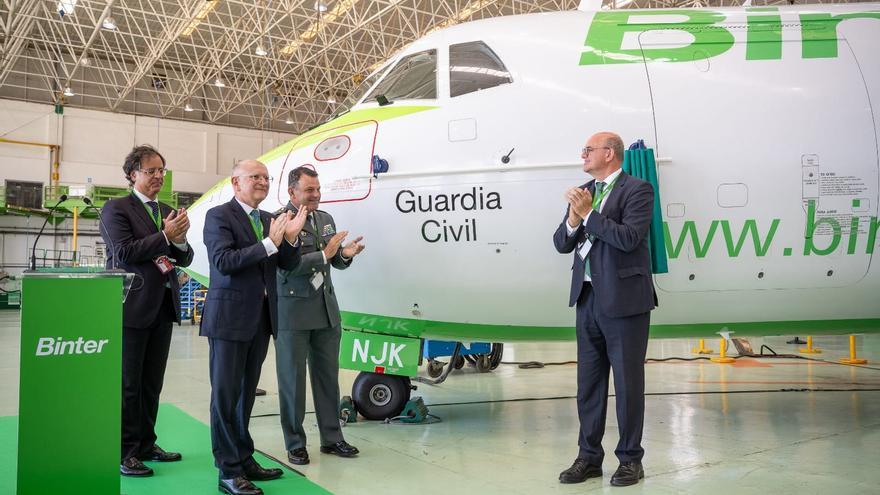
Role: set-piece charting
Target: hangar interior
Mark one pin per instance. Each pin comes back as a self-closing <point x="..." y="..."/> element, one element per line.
<point x="212" y="82"/>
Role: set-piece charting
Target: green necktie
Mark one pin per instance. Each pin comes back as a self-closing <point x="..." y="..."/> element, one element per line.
<point x="597" y="202"/>
<point x="256" y="223"/>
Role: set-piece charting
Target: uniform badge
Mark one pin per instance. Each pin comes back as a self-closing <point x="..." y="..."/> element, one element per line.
<point x="328" y="230"/>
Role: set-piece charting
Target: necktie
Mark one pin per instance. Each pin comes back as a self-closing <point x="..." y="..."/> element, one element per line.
<point x="256" y="223"/>
<point x="154" y="208"/>
<point x="597" y="203"/>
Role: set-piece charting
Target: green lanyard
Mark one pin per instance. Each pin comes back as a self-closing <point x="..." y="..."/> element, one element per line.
<point x="597" y="200"/>
<point x="257" y="225"/>
<point x="156" y="219"/>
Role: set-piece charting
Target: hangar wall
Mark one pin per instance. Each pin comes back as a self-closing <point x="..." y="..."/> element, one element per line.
<point x="93" y="147"/>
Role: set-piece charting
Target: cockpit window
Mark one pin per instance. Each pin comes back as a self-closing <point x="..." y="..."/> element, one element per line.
<point x="474" y="66"/>
<point x="356" y="95"/>
<point x="414" y="78"/>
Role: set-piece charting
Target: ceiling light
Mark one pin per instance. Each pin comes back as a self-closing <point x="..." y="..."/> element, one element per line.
<point x="66" y="7"/>
<point x="331" y="100"/>
<point x="109" y="23"/>
<point x="288" y="120"/>
<point x="68" y="91"/>
<point x="341" y="7"/>
<point x="261" y="51"/>
<point x="188" y="108"/>
<point x="85" y="61"/>
<point x="219" y="83"/>
<point x="321" y="6"/>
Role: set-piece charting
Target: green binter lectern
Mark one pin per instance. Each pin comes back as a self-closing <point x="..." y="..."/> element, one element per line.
<point x="69" y="399"/>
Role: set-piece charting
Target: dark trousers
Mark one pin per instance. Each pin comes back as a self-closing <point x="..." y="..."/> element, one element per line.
<point x="144" y="355"/>
<point x="235" y="370"/>
<point x="320" y="348"/>
<point x="619" y="344"/>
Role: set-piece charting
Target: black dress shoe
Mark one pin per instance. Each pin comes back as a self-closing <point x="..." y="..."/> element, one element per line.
<point x="580" y="471"/>
<point x="255" y="472"/>
<point x="259" y="392"/>
<point x="159" y="455"/>
<point x="629" y="473"/>
<point x="239" y="486"/>
<point x="342" y="449"/>
<point x="134" y="467"/>
<point x="298" y="456"/>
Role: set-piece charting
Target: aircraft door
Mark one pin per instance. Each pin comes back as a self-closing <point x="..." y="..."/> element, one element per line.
<point x="342" y="156"/>
<point x="772" y="178"/>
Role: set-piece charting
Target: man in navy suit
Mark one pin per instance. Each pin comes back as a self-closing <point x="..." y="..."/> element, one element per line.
<point x="245" y="247"/>
<point x="606" y="226"/>
<point x="147" y="238"/>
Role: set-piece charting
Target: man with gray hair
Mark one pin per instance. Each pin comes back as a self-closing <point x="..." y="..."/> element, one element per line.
<point x="245" y="245"/>
<point x="606" y="226"/>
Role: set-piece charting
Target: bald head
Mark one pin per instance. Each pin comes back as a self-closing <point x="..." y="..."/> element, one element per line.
<point x="250" y="182"/>
<point x="603" y="154"/>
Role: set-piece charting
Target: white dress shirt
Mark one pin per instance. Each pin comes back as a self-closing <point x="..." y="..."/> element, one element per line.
<point x="608" y="180"/>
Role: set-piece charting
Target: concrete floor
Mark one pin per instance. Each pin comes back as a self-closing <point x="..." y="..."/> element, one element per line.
<point x="767" y="426"/>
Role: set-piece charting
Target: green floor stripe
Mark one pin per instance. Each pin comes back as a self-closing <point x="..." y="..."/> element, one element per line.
<point x="194" y="475"/>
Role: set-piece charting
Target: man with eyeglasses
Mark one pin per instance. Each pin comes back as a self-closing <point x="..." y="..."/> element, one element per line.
<point x="147" y="238"/>
<point x="245" y="246"/>
<point x="606" y="226"/>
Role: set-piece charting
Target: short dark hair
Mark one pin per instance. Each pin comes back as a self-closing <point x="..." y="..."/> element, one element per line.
<point x="296" y="174"/>
<point x="135" y="157"/>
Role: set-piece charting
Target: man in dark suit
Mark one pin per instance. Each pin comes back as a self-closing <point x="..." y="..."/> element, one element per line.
<point x="309" y="323"/>
<point x="244" y="246"/>
<point x="146" y="238"/>
<point x="606" y="226"/>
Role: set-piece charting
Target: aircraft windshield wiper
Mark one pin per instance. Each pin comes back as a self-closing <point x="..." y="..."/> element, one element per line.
<point x="382" y="100"/>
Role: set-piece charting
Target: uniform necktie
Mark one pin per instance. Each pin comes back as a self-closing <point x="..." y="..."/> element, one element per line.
<point x="256" y="223"/>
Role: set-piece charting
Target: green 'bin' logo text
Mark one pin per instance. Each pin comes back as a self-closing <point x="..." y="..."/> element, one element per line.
<point x="605" y="38"/>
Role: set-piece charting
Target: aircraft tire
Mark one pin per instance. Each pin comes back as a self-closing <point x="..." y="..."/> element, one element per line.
<point x="458" y="363"/>
<point x="378" y="397"/>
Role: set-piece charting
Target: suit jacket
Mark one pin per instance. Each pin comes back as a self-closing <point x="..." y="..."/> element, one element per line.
<point x="134" y="242"/>
<point x="300" y="305"/>
<point x="620" y="262"/>
<point x="241" y="274"/>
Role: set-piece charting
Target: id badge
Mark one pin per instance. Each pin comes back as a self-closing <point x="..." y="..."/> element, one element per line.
<point x="585" y="249"/>
<point x="163" y="264"/>
<point x="317" y="280"/>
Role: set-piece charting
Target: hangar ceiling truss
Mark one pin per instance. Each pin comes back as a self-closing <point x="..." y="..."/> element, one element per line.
<point x="254" y="64"/>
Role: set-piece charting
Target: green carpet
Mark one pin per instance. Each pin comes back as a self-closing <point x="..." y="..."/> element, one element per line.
<point x="194" y="475"/>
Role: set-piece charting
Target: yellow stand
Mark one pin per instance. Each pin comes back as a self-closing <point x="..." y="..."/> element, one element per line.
<point x="702" y="349"/>
<point x="852" y="353"/>
<point x="722" y="355"/>
<point x="810" y="349"/>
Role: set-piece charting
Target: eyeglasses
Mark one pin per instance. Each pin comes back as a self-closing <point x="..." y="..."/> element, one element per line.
<point x="257" y="177"/>
<point x="587" y="150"/>
<point x="154" y="171"/>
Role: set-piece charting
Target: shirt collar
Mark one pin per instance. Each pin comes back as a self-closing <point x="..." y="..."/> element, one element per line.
<point x="247" y="209"/>
<point x="142" y="197"/>
<point x="612" y="176"/>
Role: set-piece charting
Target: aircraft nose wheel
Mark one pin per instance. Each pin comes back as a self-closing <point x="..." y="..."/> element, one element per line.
<point x="380" y="396"/>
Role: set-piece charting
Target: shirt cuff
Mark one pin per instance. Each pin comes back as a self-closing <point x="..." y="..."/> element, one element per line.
<point x="270" y="246"/>
<point x="587" y="218"/>
<point x="295" y="243"/>
<point x="344" y="259"/>
<point x="569" y="228"/>
<point x="181" y="245"/>
<point x="324" y="256"/>
<point x="167" y="243"/>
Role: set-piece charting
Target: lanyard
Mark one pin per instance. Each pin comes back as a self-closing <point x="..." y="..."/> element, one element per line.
<point x="597" y="200"/>
<point x="156" y="219"/>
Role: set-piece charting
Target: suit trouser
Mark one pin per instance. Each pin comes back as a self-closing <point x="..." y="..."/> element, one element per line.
<point x="144" y="356"/>
<point x="235" y="370"/>
<point x="619" y="344"/>
<point x="320" y="347"/>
